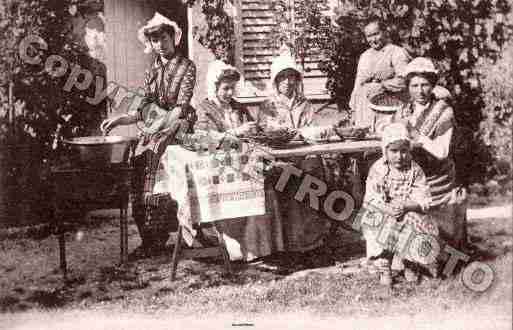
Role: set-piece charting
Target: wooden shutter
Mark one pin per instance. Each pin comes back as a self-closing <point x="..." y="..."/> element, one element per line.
<point x="314" y="78"/>
<point x="256" y="49"/>
<point x="255" y="46"/>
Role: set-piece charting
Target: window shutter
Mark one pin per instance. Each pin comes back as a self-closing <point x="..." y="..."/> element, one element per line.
<point x="314" y="78"/>
<point x="255" y="49"/>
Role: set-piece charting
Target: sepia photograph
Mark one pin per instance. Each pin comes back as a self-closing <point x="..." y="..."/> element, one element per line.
<point x="256" y="164"/>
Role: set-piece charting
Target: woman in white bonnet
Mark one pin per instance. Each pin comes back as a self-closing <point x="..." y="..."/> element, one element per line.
<point x="431" y="123"/>
<point x="220" y="112"/>
<point x="304" y="228"/>
<point x="223" y="118"/>
<point x="168" y="85"/>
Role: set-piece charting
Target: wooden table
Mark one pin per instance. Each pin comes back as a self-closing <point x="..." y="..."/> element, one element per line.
<point x="348" y="147"/>
<point x="345" y="147"/>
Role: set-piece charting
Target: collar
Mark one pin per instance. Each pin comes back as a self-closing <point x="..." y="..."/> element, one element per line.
<point x="221" y="105"/>
<point x="158" y="63"/>
<point x="417" y="107"/>
<point x="289" y="103"/>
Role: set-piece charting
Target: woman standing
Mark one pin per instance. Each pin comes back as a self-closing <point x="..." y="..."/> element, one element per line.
<point x="304" y="228"/>
<point x="379" y="69"/>
<point x="431" y="123"/>
<point x="223" y="118"/>
<point x="168" y="85"/>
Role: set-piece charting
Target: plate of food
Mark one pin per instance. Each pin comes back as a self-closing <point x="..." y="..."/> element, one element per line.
<point x="278" y="137"/>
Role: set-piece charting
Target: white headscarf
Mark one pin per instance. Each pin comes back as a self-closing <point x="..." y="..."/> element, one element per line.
<point x="284" y="61"/>
<point x="215" y="69"/>
<point x="425" y="65"/>
<point x="420" y="65"/>
<point x="392" y="133"/>
<point x="157" y="20"/>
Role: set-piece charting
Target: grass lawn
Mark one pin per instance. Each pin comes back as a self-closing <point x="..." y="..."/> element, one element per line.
<point x="332" y="289"/>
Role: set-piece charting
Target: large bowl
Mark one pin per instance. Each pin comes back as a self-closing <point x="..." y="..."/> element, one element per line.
<point x="387" y="102"/>
<point x="100" y="150"/>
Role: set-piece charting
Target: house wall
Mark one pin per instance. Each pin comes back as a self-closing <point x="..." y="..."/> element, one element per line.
<point x="109" y="30"/>
<point x="199" y="54"/>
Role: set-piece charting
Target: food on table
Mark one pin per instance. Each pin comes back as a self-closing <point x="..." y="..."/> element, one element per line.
<point x="275" y="137"/>
<point x="352" y="132"/>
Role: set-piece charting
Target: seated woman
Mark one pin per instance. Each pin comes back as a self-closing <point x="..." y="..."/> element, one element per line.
<point x="304" y="228"/>
<point x="397" y="194"/>
<point x="431" y="121"/>
<point x="224" y="118"/>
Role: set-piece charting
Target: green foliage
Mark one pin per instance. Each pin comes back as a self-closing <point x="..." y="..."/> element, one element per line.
<point x="46" y="110"/>
<point x="302" y="26"/>
<point x="496" y="128"/>
<point x="454" y="33"/>
<point x="219" y="35"/>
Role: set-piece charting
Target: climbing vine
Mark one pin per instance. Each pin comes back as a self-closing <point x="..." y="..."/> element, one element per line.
<point x="219" y="34"/>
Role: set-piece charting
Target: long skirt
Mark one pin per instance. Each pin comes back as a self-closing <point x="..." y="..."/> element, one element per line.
<point x="449" y="206"/>
<point x="304" y="227"/>
<point x="248" y="238"/>
<point x="412" y="237"/>
<point x="451" y="218"/>
<point x="155" y="214"/>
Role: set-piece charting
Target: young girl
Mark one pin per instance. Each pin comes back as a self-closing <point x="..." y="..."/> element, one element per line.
<point x="395" y="204"/>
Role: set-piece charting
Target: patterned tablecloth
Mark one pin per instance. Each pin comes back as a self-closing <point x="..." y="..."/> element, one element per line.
<point x="211" y="186"/>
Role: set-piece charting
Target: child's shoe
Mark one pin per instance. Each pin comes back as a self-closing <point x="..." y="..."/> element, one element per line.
<point x="433" y="271"/>
<point x="385" y="272"/>
<point x="410" y="275"/>
<point x="385" y="278"/>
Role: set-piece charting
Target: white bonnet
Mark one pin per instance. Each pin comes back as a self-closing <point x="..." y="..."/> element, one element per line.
<point x="157" y="20"/>
<point x="214" y="73"/>
<point x="392" y="133"/>
<point x="284" y="61"/>
<point x="421" y="65"/>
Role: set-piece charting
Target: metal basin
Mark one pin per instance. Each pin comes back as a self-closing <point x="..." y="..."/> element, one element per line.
<point x="100" y="150"/>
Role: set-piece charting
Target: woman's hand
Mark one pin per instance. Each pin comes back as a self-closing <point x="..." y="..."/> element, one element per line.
<point x="108" y="124"/>
<point x="373" y="89"/>
<point x="398" y="209"/>
<point x="316" y="132"/>
<point x="414" y="132"/>
<point x="273" y="125"/>
<point x="369" y="79"/>
<point x="246" y="128"/>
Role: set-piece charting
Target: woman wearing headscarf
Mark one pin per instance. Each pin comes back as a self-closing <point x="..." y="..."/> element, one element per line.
<point x="304" y="228"/>
<point x="222" y="117"/>
<point x="162" y="115"/>
<point x="431" y="122"/>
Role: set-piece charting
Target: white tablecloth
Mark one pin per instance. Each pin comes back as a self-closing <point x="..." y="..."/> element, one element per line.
<point x="211" y="186"/>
